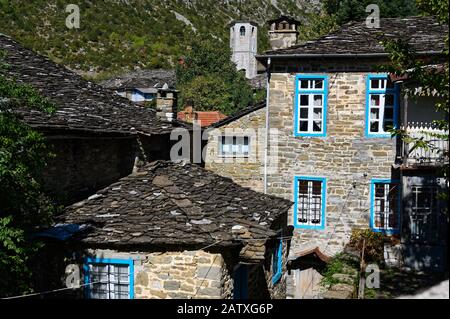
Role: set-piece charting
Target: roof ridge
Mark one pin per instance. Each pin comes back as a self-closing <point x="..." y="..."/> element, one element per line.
<point x="353" y="38"/>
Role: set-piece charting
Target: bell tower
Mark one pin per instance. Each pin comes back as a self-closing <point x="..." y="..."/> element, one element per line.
<point x="243" y="43"/>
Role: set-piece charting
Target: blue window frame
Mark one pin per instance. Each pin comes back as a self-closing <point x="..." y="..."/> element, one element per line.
<point x="109" y="278"/>
<point x="309" y="202"/>
<point x="277" y="262"/>
<point x="382" y="104"/>
<point x="385" y="203"/>
<point x="310" y="105"/>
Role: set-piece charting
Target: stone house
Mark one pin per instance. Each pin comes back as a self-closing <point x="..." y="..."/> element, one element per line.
<point x="141" y="85"/>
<point x="173" y="230"/>
<point x="144" y="86"/>
<point x="327" y="146"/>
<point x="246" y="165"/>
<point x="96" y="135"/>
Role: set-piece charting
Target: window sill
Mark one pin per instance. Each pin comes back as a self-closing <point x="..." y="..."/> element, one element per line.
<point x="320" y="227"/>
<point x="378" y="135"/>
<point x="234" y="156"/>
<point x="310" y="135"/>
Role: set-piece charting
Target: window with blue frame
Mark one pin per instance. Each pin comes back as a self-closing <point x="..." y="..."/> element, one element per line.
<point x="238" y="146"/>
<point x="310" y="105"/>
<point x="382" y="100"/>
<point x="277" y="262"/>
<point x="109" y="278"/>
<point x="385" y="205"/>
<point x="309" y="202"/>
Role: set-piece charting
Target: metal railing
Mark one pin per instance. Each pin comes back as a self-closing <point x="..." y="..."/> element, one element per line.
<point x="436" y="152"/>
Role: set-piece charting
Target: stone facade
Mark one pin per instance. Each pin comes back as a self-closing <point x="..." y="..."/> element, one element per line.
<point x="345" y="157"/>
<point x="283" y="32"/>
<point x="247" y="172"/>
<point x="84" y="164"/>
<point x="166" y="104"/>
<point x="176" y="274"/>
<point x="186" y="274"/>
<point x="282" y="39"/>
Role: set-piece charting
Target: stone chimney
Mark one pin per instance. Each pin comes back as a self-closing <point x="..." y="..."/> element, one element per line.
<point x="166" y="103"/>
<point x="283" y="32"/>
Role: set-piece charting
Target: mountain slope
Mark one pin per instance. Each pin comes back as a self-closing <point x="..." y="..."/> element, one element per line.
<point x="117" y="35"/>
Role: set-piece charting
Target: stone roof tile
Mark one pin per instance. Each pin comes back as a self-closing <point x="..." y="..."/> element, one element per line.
<point x="424" y="34"/>
<point x="81" y="105"/>
<point x="144" y="208"/>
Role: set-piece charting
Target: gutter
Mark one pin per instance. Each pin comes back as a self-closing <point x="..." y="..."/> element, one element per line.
<point x="336" y="55"/>
<point x="266" y="147"/>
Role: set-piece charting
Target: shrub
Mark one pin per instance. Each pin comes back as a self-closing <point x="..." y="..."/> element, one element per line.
<point x="374" y="244"/>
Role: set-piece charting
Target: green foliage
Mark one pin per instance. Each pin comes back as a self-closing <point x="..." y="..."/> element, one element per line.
<point x="438" y="8"/>
<point x="373" y="244"/>
<point x="349" y="10"/>
<point x="116" y="36"/>
<point x="318" y="24"/>
<point x="208" y="79"/>
<point x="23" y="205"/>
<point x="341" y="263"/>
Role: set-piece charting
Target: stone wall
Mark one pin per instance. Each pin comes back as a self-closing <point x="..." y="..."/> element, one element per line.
<point x="84" y="165"/>
<point x="166" y="104"/>
<point x="345" y="157"/>
<point x="282" y="39"/>
<point x="247" y="172"/>
<point x="187" y="274"/>
<point x="260" y="276"/>
<point x="177" y="274"/>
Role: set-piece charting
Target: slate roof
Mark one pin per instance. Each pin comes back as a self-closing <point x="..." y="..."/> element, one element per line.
<point x="142" y="79"/>
<point x="259" y="82"/>
<point x="168" y="203"/>
<point x="424" y="34"/>
<point x="81" y="105"/>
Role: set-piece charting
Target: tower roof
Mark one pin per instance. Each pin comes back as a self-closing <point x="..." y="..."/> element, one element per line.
<point x="243" y="21"/>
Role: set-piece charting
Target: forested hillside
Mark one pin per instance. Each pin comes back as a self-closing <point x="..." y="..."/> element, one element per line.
<point x="116" y="35"/>
<point x="119" y="35"/>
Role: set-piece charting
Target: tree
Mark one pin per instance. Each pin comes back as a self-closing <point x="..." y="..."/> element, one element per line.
<point x="208" y="78"/>
<point x="350" y="10"/>
<point x="23" y="205"/>
<point x="404" y="61"/>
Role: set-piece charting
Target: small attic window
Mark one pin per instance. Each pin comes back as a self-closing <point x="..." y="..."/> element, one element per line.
<point x="242" y="31"/>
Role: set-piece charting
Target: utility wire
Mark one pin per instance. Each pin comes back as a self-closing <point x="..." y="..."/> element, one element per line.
<point x="51" y="291"/>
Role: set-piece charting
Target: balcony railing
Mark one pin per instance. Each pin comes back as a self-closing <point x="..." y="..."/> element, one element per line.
<point x="435" y="154"/>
